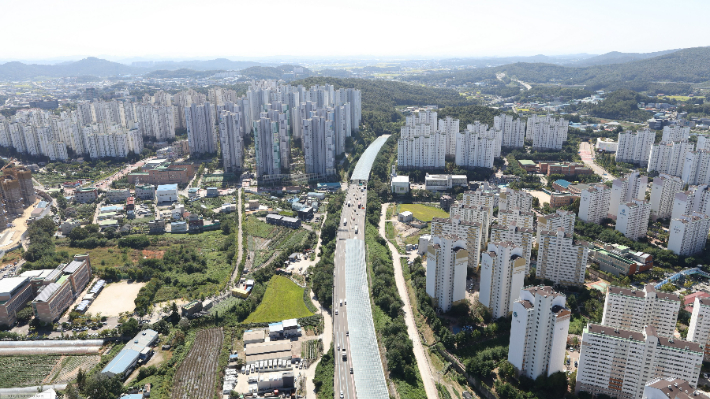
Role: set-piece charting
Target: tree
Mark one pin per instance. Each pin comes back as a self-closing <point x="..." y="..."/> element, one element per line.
<point x="81" y="379"/>
<point x="130" y="327"/>
<point x="505" y="369"/>
<point x="101" y="386"/>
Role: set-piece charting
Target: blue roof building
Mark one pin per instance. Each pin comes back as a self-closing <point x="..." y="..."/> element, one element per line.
<point x="122" y="364"/>
<point x="562" y="183"/>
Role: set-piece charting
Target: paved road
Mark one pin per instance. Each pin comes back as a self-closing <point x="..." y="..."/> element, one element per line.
<point x="351" y="217"/>
<point x="419" y="352"/>
<point x="586" y="152"/>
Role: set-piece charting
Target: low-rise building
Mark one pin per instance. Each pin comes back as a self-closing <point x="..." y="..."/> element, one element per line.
<point x="565" y="168"/>
<point x="607" y="145"/>
<point x="145" y="191"/>
<point x="405" y="216"/>
<point x="15" y="292"/>
<point x="175" y="173"/>
<point x="167" y="193"/>
<point x="619" y="260"/>
<point x="212" y="192"/>
<point x="68" y="225"/>
<point x="400" y="184"/>
<point x="561" y="199"/>
<point x="52" y="300"/>
<point x="118" y="195"/>
<point x="280" y="220"/>
<point x="156" y="226"/>
<point x="178" y="227"/>
<point x="86" y="195"/>
<point x="444" y="182"/>
<point x="528" y="165"/>
<point x="127" y="359"/>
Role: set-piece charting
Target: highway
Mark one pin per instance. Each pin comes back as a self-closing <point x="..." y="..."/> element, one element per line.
<point x="351" y="217"/>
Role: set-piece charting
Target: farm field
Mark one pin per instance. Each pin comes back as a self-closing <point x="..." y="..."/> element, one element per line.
<point x="21" y="371"/>
<point x="283" y="300"/>
<point x="196" y="376"/>
<point x="424" y="212"/>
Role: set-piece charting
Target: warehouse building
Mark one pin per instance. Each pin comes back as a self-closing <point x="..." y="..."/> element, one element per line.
<point x="126" y="360"/>
<point x="257" y="352"/>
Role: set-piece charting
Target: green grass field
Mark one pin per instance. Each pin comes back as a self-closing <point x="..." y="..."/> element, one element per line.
<point x="423" y="212"/>
<point x="283" y="300"/>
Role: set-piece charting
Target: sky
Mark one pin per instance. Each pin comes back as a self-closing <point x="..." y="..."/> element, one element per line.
<point x="238" y="29"/>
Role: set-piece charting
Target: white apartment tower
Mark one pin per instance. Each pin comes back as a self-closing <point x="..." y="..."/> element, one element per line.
<point x="512" y="131"/>
<point x="449" y="127"/>
<point x="231" y="141"/>
<point x="688" y="234"/>
<point x="474" y="214"/>
<point x="520" y="236"/>
<point x="538" y="333"/>
<point x="695" y="199"/>
<point x="663" y="191"/>
<point x="554" y="221"/>
<point x="470" y="232"/>
<point x="696" y="167"/>
<point x="482" y="196"/>
<point x="699" y="328"/>
<point x="619" y="363"/>
<point x="516" y="217"/>
<point x="675" y="133"/>
<point x="632" y="309"/>
<point x="421" y="147"/>
<point x="511" y="199"/>
<point x="559" y="260"/>
<point x="547" y="133"/>
<point x="200" y="124"/>
<point x="594" y="203"/>
<point x="669" y="157"/>
<point x="476" y="147"/>
<point x="318" y="146"/>
<point x="266" y="146"/>
<point x="632" y="219"/>
<point x="447" y="260"/>
<point x="502" y="277"/>
<point x="625" y="190"/>
<point x="635" y="147"/>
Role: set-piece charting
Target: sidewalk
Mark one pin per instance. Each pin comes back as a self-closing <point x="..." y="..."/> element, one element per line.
<point x="419" y="351"/>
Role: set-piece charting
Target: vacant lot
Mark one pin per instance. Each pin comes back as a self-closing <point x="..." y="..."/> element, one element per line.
<point x="283" y="300"/>
<point x="116" y="298"/>
<point x="423" y="212"/>
<point x="196" y="376"/>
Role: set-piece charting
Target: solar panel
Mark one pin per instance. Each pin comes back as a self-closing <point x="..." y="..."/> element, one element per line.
<point x="364" y="165"/>
<point x="367" y="367"/>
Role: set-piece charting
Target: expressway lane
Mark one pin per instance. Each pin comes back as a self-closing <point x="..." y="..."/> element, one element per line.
<point x="351" y="219"/>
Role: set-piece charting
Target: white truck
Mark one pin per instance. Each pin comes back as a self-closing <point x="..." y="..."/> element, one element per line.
<point x="345" y="354"/>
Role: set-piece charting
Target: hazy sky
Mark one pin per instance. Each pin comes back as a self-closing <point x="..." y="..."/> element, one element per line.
<point x="40" y="29"/>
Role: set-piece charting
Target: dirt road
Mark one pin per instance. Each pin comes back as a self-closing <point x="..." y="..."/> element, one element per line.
<point x="419" y="352"/>
<point x="327" y="338"/>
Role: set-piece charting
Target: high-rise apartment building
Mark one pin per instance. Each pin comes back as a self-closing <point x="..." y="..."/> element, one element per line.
<point x="502" y="277"/>
<point x="619" y="363"/>
<point x="695" y="199"/>
<point x="632" y="309"/>
<point x="512" y="131"/>
<point x="156" y="122"/>
<point x="675" y="133"/>
<point x="266" y="146"/>
<point x="699" y="328"/>
<point x="594" y="203"/>
<point x="516" y="217"/>
<point x="696" y="167"/>
<point x="447" y="260"/>
<point x="470" y="232"/>
<point x="420" y="145"/>
<point x="554" y="221"/>
<point x="663" y="191"/>
<point x="510" y="199"/>
<point x="632" y="219"/>
<point x="624" y="190"/>
<point x="231" y="141"/>
<point x="520" y="236"/>
<point x="449" y="127"/>
<point x="669" y="157"/>
<point x="635" y="147"/>
<point x="200" y="122"/>
<point x="688" y="234"/>
<point x="547" y="133"/>
<point x="538" y="333"/>
<point x="474" y="214"/>
<point x="476" y="147"/>
<point x="484" y="195"/>
<point x="318" y="146"/>
<point x="559" y="260"/>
